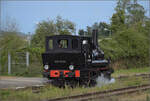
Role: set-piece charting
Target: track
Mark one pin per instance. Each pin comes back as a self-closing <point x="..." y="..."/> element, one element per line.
<point x="102" y="94"/>
<point x="25" y="83"/>
<point x="143" y="75"/>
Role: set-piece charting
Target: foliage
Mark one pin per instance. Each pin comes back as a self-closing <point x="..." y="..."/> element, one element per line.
<point x="135" y="12"/>
<point x="51" y="27"/>
<point x="127" y="44"/>
<point x="81" y="32"/>
<point x="102" y="27"/>
<point x="10" y="42"/>
<point x="118" y="20"/>
<point x="130" y="29"/>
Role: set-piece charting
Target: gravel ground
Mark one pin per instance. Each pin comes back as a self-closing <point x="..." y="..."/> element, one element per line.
<point x="19" y="82"/>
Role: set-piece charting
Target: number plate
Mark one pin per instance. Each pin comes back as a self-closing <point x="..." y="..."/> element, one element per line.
<point x="64" y="73"/>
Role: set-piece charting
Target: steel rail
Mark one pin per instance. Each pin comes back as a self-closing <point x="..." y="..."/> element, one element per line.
<point x="102" y="94"/>
<point x="143" y="75"/>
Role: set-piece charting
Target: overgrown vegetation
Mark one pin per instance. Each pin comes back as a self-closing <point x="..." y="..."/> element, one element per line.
<point x="52" y="92"/>
<point x="129" y="47"/>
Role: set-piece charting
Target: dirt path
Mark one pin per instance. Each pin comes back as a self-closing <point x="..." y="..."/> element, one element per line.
<point x="16" y="82"/>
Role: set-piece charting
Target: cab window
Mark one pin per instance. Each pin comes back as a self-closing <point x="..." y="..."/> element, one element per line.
<point x="50" y="43"/>
<point x="63" y="43"/>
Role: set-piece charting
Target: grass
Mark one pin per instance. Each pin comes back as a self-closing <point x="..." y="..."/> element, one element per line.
<point x="130" y="71"/>
<point x="53" y="92"/>
<point x="20" y="75"/>
<point x="34" y="70"/>
<point x="137" y="96"/>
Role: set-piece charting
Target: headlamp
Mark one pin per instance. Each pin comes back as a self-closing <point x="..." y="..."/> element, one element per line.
<point x="71" y="67"/>
<point x="46" y="67"/>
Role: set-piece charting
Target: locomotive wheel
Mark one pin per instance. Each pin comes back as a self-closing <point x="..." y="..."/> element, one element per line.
<point x="84" y="82"/>
<point x="64" y="83"/>
<point x="92" y="83"/>
<point x="58" y="83"/>
<point x="87" y="82"/>
<point x="71" y="83"/>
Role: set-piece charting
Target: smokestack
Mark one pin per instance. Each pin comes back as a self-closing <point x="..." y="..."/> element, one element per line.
<point x="95" y="37"/>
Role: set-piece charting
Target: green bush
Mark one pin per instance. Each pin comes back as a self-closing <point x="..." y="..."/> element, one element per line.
<point x="129" y="46"/>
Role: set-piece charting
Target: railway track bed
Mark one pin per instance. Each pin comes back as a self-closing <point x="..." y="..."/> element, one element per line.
<point x="102" y="94"/>
<point x="85" y="94"/>
<point x="143" y="75"/>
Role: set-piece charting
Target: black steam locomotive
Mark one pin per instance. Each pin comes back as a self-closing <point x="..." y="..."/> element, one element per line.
<point x="72" y="60"/>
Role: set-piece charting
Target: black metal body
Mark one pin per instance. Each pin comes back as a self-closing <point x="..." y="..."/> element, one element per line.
<point x="81" y="52"/>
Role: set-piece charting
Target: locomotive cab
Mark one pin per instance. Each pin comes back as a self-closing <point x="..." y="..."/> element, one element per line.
<point x="74" y="58"/>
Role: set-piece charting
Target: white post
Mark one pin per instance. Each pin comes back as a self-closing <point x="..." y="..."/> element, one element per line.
<point x="9" y="63"/>
<point x="27" y="53"/>
<point x="27" y="59"/>
<point x="29" y="39"/>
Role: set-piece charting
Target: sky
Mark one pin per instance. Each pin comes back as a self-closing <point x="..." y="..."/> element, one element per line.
<point x="27" y="14"/>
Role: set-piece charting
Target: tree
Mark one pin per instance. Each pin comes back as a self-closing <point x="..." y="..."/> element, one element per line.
<point x="122" y="5"/>
<point x="51" y="27"/>
<point x="128" y="13"/>
<point x="117" y="21"/>
<point x="11" y="42"/>
<point x="44" y="28"/>
<point x="64" y="26"/>
<point x="135" y="13"/>
<point x="10" y="25"/>
<point x="81" y="32"/>
<point x="146" y="27"/>
<point x="104" y="29"/>
<point x="10" y="37"/>
<point x="88" y="31"/>
<point x="118" y="18"/>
